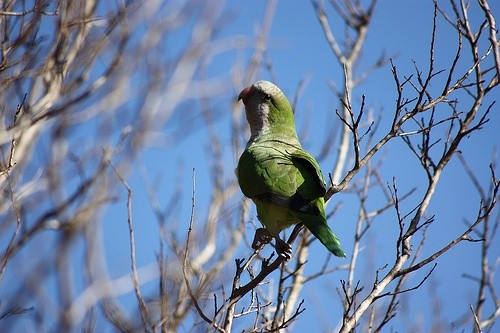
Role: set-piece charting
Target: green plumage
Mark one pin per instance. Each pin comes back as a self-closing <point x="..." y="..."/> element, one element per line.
<point x="282" y="179"/>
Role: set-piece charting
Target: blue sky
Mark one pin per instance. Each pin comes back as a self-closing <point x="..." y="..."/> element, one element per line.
<point x="297" y="49"/>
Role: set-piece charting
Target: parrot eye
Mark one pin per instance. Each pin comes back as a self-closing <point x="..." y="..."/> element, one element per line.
<point x="267" y="97"/>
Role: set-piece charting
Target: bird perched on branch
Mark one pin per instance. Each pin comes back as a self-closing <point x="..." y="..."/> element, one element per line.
<point x="283" y="180"/>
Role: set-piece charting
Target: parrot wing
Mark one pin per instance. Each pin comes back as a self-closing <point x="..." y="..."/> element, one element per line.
<point x="292" y="180"/>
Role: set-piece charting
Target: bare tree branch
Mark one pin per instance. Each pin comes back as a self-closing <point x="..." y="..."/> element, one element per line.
<point x="145" y="316"/>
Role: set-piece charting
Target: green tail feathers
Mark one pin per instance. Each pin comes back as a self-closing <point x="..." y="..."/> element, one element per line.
<point x="325" y="235"/>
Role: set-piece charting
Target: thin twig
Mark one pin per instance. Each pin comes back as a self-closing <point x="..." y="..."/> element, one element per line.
<point x="185" y="261"/>
<point x="145" y="315"/>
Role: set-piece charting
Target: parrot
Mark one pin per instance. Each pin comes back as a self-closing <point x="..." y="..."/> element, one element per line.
<point x="282" y="179"/>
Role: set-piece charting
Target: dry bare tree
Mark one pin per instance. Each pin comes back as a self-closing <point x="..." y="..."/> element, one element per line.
<point x="419" y="115"/>
<point x="87" y="86"/>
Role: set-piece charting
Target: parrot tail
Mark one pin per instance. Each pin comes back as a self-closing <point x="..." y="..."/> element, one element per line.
<point x="325" y="235"/>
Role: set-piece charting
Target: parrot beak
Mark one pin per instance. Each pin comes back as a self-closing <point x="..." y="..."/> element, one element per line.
<point x="246" y="93"/>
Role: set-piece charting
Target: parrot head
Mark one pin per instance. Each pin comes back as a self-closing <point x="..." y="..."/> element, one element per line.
<point x="267" y="108"/>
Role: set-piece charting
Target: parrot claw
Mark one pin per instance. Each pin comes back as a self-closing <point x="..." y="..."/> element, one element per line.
<point x="284" y="249"/>
<point x="261" y="238"/>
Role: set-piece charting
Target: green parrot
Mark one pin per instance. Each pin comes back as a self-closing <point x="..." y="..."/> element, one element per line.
<point x="283" y="180"/>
